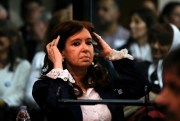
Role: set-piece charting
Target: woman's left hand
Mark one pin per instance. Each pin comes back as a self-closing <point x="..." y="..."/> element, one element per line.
<point x="107" y="52"/>
<point x="105" y="49"/>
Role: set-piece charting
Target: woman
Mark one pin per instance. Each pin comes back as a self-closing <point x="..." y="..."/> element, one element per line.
<point x="14" y="68"/>
<point x="171" y="13"/>
<point x="141" y="21"/>
<point x="71" y="72"/>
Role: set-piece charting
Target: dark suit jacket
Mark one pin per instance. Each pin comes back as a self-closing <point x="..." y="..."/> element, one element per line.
<point x="45" y="93"/>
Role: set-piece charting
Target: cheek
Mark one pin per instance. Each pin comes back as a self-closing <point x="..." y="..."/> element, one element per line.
<point x="139" y="29"/>
<point x="164" y="50"/>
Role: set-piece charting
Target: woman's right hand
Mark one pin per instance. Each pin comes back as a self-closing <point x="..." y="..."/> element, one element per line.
<point x="54" y="54"/>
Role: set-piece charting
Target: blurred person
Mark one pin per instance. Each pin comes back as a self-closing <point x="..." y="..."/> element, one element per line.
<point x="3" y="13"/>
<point x="71" y="68"/>
<point x="169" y="99"/>
<point x="108" y="15"/>
<point x="14" y="69"/>
<point x="140" y="24"/>
<point x="171" y="13"/>
<point x="164" y="38"/>
<point x="35" y="24"/>
<point x="27" y="6"/>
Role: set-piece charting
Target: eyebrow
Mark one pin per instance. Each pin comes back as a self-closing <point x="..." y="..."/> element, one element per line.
<point x="77" y="39"/>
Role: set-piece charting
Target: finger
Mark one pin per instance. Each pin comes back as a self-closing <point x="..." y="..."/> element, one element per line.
<point x="99" y="39"/>
<point x="56" y="41"/>
<point x="48" y="46"/>
<point x="101" y="42"/>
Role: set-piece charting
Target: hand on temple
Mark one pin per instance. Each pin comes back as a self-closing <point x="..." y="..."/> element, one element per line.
<point x="54" y="54"/>
<point x="107" y="52"/>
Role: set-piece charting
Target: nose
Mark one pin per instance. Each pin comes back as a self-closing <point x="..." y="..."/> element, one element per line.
<point x="155" y="44"/>
<point x="85" y="47"/>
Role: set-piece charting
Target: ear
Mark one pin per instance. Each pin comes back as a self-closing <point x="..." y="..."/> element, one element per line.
<point x="63" y="53"/>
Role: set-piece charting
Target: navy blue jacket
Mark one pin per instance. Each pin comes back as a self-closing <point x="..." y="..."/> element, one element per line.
<point x="45" y="94"/>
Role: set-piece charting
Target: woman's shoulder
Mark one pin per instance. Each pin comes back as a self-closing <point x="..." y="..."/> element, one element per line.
<point x="39" y="54"/>
<point x="38" y="59"/>
<point x="23" y="64"/>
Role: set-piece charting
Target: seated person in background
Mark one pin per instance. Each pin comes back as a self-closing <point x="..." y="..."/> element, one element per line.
<point x="71" y="71"/>
<point x="171" y="13"/>
<point x="108" y="26"/>
<point x="169" y="98"/>
<point x="14" y="68"/>
<point x="140" y="24"/>
<point x="164" y="38"/>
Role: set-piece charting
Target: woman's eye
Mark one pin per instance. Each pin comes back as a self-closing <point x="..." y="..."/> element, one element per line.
<point x="76" y="43"/>
<point x="89" y="42"/>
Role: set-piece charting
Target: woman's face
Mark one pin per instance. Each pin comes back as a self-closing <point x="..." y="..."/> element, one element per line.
<point x="159" y="51"/>
<point x="138" y="27"/>
<point x="78" y="51"/>
<point x="175" y="16"/>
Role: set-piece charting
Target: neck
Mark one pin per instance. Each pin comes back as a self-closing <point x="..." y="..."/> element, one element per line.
<point x="108" y="30"/>
<point x="142" y="40"/>
<point x="78" y="75"/>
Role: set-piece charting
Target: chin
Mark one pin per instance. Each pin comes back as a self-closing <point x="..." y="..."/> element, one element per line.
<point x="85" y="64"/>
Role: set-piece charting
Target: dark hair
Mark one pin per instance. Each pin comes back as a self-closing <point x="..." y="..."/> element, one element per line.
<point x="172" y="61"/>
<point x="147" y="15"/>
<point x="61" y="4"/>
<point x="17" y="48"/>
<point x="96" y="74"/>
<point x="163" y="33"/>
<point x="167" y="11"/>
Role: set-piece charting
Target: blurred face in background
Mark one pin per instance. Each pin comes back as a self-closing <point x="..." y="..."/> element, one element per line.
<point x="159" y="50"/>
<point x="107" y="12"/>
<point x="169" y="98"/>
<point x="138" y="27"/>
<point x="175" y="16"/>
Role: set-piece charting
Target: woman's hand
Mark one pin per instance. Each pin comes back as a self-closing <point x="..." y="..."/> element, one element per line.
<point x="105" y="49"/>
<point x="107" y="52"/>
<point x="54" y="54"/>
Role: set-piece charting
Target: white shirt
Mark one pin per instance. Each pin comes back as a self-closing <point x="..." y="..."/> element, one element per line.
<point x="98" y="112"/>
<point x="12" y="84"/>
<point x="141" y="52"/>
<point x="37" y="64"/>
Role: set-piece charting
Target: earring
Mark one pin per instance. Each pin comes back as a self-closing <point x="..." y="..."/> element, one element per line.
<point x="92" y="63"/>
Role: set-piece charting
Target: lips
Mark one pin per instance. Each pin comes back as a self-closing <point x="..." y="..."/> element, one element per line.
<point x="85" y="57"/>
